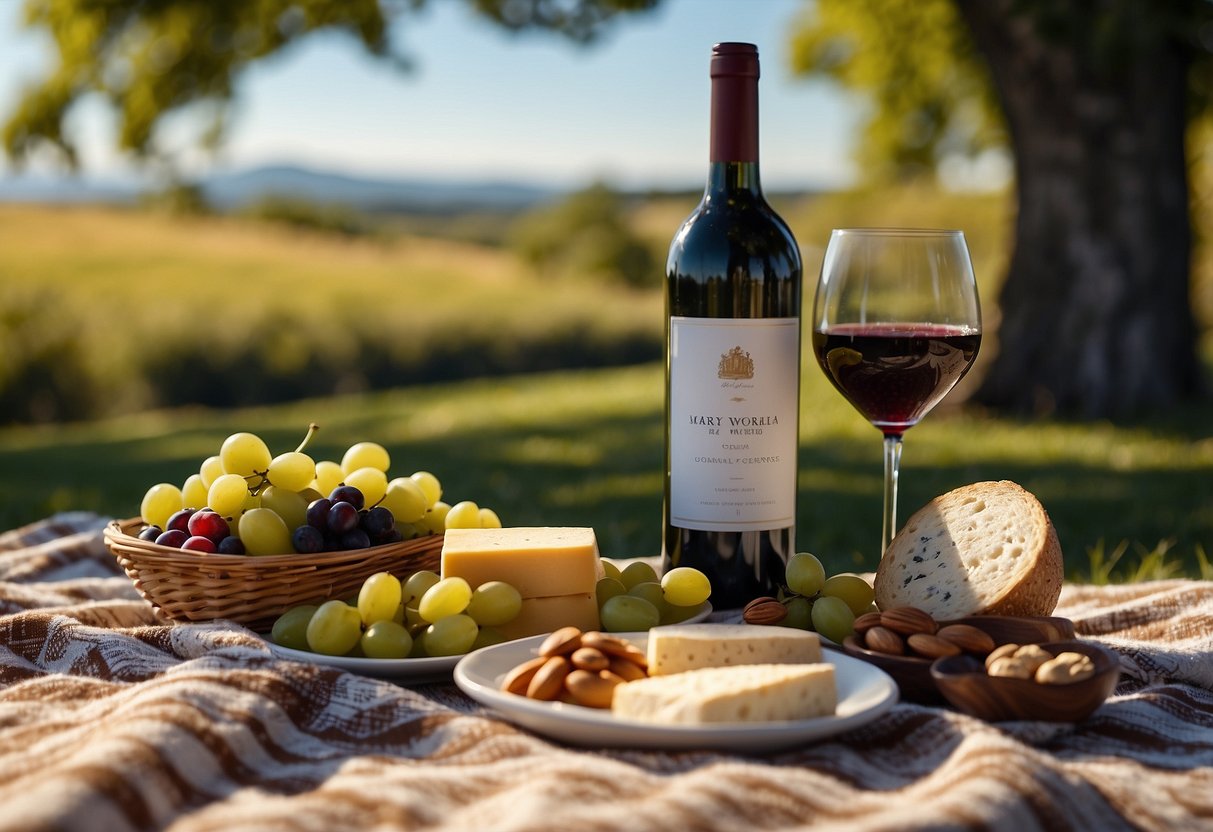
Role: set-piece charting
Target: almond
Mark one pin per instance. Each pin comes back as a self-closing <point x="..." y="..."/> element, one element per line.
<point x="518" y="679"/>
<point x="884" y="640"/>
<point x="866" y="622"/>
<point x="615" y="647"/>
<point x="968" y="638"/>
<point x="587" y="658"/>
<point x="1002" y="651"/>
<point x="908" y="620"/>
<point x="593" y="690"/>
<point x="548" y="681"/>
<point x="561" y="643"/>
<point x="931" y="647"/>
<point x="764" y="611"/>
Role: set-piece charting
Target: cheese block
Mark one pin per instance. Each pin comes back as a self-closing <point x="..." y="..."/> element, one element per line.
<point x="983" y="549"/>
<point x="740" y="693"/>
<point x="544" y="615"/>
<point x="538" y="562"/>
<point x="683" y="647"/>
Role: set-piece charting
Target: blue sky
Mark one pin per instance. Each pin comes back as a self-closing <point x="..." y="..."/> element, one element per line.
<point x="484" y="104"/>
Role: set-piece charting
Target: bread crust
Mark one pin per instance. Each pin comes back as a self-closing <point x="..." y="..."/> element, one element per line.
<point x="983" y="549"/>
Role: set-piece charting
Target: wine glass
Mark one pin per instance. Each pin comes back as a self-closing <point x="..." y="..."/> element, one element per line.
<point x="896" y="323"/>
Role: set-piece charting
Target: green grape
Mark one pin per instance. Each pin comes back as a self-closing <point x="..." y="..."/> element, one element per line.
<point x="672" y="614"/>
<point x="637" y="572"/>
<point x="610" y="570"/>
<point x="418" y="651"/>
<point x="685" y="587"/>
<point x="463" y="515"/>
<point x="405" y="500"/>
<point x="409" y="531"/>
<point x="334" y="629"/>
<point x="355" y="652"/>
<point x="370" y="481"/>
<point x="366" y="455"/>
<point x="416" y="585"/>
<point x="227" y="494"/>
<point x="833" y="618"/>
<point x="291" y="506"/>
<point x="251" y="501"/>
<point x="398" y="615"/>
<point x="651" y="592"/>
<point x="852" y="589"/>
<point x="450" y="635"/>
<point x="244" y="454"/>
<point x="386" y="640"/>
<point x="328" y="476"/>
<point x="310" y="495"/>
<point x="193" y="493"/>
<point x="434" y="521"/>
<point x="264" y="533"/>
<point x="293" y="471"/>
<point x="413" y="620"/>
<point x="800" y="614"/>
<point x="160" y="503"/>
<point x="627" y="613"/>
<point x="607" y="588"/>
<point x="487" y="637"/>
<point x="379" y="597"/>
<point x="290" y="630"/>
<point x="430" y="485"/>
<point x="489" y="519"/>
<point x="494" y="603"/>
<point x="448" y="597"/>
<point x="804" y="574"/>
<point x="211" y="470"/>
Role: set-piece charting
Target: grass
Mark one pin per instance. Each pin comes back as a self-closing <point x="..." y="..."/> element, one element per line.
<point x="585" y="448"/>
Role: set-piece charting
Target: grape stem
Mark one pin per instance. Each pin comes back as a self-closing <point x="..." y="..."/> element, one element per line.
<point x="311" y="431"/>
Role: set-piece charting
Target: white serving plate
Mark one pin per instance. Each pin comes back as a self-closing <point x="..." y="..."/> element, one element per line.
<point x="405" y="671"/>
<point x="864" y="693"/>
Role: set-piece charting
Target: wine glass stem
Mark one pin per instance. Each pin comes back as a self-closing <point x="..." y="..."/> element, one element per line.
<point x="892" y="464"/>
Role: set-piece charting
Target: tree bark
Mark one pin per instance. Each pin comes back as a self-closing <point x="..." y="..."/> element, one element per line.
<point x="1096" y="315"/>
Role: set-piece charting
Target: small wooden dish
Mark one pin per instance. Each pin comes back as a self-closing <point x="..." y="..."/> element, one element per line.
<point x="963" y="681"/>
<point x="913" y="674"/>
<point x="193" y="586"/>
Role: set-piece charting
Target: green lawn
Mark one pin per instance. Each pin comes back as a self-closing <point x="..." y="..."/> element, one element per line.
<point x="585" y="448"/>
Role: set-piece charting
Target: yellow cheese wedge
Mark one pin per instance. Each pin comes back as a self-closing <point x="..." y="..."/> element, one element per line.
<point x="538" y="562"/>
<point x="738" y="693"/>
<point x="681" y="647"/>
<point x="543" y="615"/>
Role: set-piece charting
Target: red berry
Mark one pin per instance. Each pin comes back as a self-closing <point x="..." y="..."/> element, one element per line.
<point x="197" y="543"/>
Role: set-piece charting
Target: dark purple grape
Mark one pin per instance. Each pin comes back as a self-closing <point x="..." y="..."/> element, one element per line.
<point x="150" y="533"/>
<point x="231" y="545"/>
<point x="343" y="517"/>
<point x="377" y="522"/>
<point x="348" y="494"/>
<point x="318" y="513"/>
<point x="210" y="525"/>
<point x="173" y="538"/>
<point x="355" y="539"/>
<point x="307" y="540"/>
<point x="392" y="536"/>
<point x="180" y="521"/>
<point x="198" y="543"/>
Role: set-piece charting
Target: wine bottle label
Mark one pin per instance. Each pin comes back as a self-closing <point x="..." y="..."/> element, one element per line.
<point x="734" y="406"/>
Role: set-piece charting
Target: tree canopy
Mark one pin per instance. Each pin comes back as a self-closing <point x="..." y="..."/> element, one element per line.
<point x="152" y="58"/>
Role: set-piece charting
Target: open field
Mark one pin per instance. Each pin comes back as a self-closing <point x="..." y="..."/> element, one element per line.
<point x="585" y="448"/>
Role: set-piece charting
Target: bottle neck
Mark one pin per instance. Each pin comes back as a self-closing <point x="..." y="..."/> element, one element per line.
<point x="733" y="156"/>
<point x="733" y="180"/>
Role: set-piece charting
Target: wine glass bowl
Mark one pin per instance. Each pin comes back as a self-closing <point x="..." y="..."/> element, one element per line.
<point x="896" y="324"/>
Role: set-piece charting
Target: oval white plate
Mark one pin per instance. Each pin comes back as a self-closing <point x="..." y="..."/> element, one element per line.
<point x="399" y="670"/>
<point x="406" y="670"/>
<point x="864" y="693"/>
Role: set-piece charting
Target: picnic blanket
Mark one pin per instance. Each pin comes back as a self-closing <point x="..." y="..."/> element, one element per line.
<point x="110" y="721"/>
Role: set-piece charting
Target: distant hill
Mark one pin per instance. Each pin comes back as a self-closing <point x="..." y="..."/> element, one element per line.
<point x="233" y="190"/>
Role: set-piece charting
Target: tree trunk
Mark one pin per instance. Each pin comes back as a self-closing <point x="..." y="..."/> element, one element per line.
<point x="1096" y="316"/>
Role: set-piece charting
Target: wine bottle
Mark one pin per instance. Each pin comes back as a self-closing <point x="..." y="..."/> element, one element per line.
<point x="733" y="294"/>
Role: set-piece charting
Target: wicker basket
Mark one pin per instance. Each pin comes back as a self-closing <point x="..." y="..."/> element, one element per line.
<point x="190" y="586"/>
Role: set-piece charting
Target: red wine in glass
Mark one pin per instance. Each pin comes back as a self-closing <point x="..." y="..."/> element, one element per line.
<point x="894" y="373"/>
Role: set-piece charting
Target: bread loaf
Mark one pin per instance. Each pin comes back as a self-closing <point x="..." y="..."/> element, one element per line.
<point x="984" y="549"/>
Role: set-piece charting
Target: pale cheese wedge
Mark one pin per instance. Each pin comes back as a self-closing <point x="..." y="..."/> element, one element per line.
<point x="740" y="693"/>
<point x="681" y="647"/>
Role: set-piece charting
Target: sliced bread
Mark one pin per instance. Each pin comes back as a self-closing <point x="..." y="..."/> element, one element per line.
<point x="985" y="549"/>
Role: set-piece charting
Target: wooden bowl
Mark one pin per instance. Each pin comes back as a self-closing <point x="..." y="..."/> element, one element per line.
<point x="963" y="681"/>
<point x="913" y="674"/>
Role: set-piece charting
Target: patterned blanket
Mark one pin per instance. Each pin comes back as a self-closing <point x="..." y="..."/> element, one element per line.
<point x="109" y="721"/>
